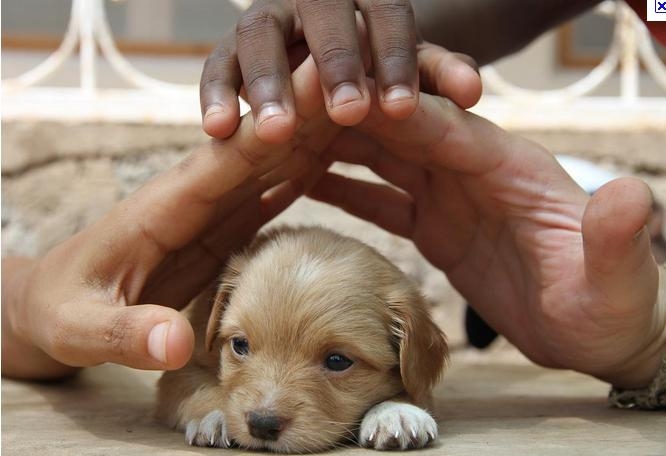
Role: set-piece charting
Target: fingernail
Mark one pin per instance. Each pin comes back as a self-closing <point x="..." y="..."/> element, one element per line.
<point x="398" y="93"/>
<point x="345" y="93"/>
<point x="270" y="110"/>
<point x="157" y="341"/>
<point x="214" y="110"/>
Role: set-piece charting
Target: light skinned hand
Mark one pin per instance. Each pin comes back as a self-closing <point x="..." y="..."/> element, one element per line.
<point x="569" y="279"/>
<point x="111" y="292"/>
<point x="344" y="37"/>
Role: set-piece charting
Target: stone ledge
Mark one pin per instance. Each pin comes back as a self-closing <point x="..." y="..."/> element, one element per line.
<point x="27" y="145"/>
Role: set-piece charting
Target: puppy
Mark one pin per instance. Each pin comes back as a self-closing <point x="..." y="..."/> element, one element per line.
<point x="311" y="339"/>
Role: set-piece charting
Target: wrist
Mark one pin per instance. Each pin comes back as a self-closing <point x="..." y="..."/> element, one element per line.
<point x="21" y="357"/>
<point x="641" y="370"/>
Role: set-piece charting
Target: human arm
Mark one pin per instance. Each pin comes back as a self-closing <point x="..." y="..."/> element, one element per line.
<point x="272" y="35"/>
<point x="111" y="292"/>
<point x="568" y="279"/>
<point x="488" y="30"/>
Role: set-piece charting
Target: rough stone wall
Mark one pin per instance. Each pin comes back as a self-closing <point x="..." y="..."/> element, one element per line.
<point x="58" y="178"/>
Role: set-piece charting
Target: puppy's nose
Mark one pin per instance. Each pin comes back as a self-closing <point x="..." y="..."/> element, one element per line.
<point x="265" y="424"/>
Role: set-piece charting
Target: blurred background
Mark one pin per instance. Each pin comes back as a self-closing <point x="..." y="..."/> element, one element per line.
<point x="98" y="96"/>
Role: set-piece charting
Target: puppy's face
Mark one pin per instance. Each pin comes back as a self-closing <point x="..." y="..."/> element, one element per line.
<point x="313" y="330"/>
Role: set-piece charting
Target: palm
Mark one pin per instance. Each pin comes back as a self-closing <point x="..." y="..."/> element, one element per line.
<point x="500" y="217"/>
<point x="517" y="270"/>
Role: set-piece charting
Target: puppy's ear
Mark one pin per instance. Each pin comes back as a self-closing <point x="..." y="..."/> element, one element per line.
<point x="227" y="285"/>
<point x="422" y="345"/>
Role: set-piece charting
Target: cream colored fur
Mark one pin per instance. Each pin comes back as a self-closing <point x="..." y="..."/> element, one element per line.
<point x="298" y="295"/>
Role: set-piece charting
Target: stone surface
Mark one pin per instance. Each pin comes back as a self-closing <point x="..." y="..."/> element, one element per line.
<point x="29" y="145"/>
<point x="632" y="151"/>
<point x="57" y="178"/>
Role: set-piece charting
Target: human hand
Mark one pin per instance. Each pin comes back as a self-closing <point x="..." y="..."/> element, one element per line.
<point x="271" y="35"/>
<point x="568" y="279"/>
<point x="110" y="292"/>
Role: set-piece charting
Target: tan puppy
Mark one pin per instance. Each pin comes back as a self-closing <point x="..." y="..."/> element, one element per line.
<point x="308" y="335"/>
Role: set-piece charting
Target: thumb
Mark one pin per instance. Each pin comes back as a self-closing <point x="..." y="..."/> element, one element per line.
<point x="142" y="336"/>
<point x="616" y="242"/>
<point x="447" y="74"/>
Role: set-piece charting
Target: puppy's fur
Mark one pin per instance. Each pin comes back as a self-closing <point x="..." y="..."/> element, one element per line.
<point x="261" y="375"/>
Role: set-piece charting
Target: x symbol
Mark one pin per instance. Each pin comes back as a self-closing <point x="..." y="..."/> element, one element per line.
<point x="661" y="6"/>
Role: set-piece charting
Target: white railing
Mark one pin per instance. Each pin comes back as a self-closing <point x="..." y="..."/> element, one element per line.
<point x="154" y="100"/>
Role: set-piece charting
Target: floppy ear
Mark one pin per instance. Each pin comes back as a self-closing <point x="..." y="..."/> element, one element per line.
<point x="229" y="282"/>
<point x="422" y="345"/>
<point x="227" y="285"/>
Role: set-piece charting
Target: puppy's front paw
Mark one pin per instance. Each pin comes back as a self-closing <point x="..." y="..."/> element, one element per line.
<point x="397" y="426"/>
<point x="211" y="431"/>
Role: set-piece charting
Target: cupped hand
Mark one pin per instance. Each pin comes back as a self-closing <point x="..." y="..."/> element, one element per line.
<point x="568" y="279"/>
<point x="110" y="293"/>
<point x="271" y="35"/>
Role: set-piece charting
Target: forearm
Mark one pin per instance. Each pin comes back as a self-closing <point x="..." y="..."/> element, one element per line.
<point x="20" y="357"/>
<point x="490" y="29"/>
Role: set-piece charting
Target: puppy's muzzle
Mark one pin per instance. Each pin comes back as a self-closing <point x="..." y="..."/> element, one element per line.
<point x="265" y="424"/>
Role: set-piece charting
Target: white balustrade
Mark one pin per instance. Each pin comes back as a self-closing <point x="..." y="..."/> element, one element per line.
<point x="154" y="100"/>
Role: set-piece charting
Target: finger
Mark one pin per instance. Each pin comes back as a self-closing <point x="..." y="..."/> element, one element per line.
<point x="143" y="337"/>
<point x="351" y="146"/>
<point x="185" y="198"/>
<point x="279" y="198"/>
<point x="330" y="30"/>
<point x="617" y="243"/>
<point x="199" y="262"/>
<point x="218" y="90"/>
<point x="439" y="134"/>
<point x="451" y="75"/>
<point x="239" y="214"/>
<point x="392" y="35"/>
<point x="182" y="276"/>
<point x="382" y="205"/>
<point x="262" y="55"/>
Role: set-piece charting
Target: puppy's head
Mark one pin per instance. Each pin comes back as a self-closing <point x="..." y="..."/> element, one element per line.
<point x="314" y="329"/>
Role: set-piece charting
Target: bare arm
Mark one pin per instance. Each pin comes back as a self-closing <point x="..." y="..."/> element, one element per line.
<point x="20" y="358"/>
<point x="491" y="29"/>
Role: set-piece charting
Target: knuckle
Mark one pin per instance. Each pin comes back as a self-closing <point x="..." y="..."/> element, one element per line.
<point x="316" y="8"/>
<point x="220" y="68"/>
<point x="61" y="332"/>
<point x="117" y="335"/>
<point x="252" y="24"/>
<point x="262" y="77"/>
<point x="388" y="9"/>
<point x="215" y="71"/>
<point x="253" y="156"/>
<point x="395" y="63"/>
<point x="394" y="52"/>
<point x="335" y="54"/>
<point x="219" y="60"/>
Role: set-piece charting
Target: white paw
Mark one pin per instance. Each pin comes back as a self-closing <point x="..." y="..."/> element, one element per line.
<point x="397" y="426"/>
<point x="211" y="431"/>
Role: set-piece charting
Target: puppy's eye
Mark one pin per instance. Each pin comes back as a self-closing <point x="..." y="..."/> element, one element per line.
<point x="240" y="346"/>
<point x="338" y="363"/>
